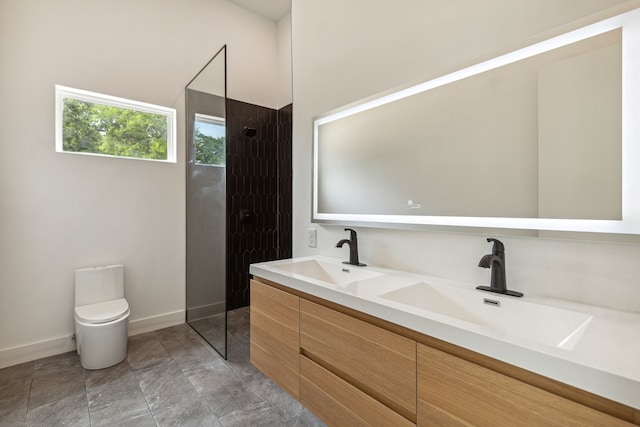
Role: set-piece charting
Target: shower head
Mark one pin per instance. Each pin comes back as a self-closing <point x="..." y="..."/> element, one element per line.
<point x="250" y="132"/>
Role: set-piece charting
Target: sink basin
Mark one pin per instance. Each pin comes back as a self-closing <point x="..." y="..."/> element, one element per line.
<point x="502" y="316"/>
<point x="336" y="274"/>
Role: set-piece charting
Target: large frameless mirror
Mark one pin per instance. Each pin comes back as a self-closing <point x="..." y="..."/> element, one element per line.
<point x="206" y="203"/>
<point x="542" y="138"/>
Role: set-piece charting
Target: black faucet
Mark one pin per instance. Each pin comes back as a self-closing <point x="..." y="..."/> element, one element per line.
<point x="353" y="248"/>
<point x="495" y="261"/>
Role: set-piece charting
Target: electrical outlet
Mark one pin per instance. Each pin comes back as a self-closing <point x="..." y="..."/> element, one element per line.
<point x="312" y="237"/>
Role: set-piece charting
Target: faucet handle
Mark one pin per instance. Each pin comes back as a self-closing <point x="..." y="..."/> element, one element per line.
<point x="498" y="246"/>
<point x="353" y="234"/>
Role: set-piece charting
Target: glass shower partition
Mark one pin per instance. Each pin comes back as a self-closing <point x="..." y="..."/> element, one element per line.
<point x="206" y="188"/>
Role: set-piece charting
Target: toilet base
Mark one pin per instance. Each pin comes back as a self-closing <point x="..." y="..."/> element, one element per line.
<point x="102" y="345"/>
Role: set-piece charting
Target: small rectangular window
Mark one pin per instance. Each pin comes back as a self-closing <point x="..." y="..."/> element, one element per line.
<point x="97" y="124"/>
<point x="209" y="140"/>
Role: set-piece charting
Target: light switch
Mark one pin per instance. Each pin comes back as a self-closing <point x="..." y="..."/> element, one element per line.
<point x="312" y="236"/>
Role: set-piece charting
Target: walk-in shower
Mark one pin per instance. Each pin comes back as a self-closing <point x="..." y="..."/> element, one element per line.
<point x="238" y="197"/>
<point x="206" y="204"/>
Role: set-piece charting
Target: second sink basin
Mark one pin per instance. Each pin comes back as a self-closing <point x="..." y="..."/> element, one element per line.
<point x="503" y="316"/>
<point x="335" y="274"/>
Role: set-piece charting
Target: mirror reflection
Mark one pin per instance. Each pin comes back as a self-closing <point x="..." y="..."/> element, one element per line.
<point x="531" y="140"/>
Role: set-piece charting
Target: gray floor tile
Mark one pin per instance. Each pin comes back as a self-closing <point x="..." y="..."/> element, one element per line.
<point x="55" y="378"/>
<point x="304" y="419"/>
<point x="278" y="399"/>
<point x="176" y="333"/>
<point x="238" y="324"/>
<point x="13" y="403"/>
<point x="164" y="385"/>
<point x="142" y="419"/>
<point x="122" y="412"/>
<point x="252" y="418"/>
<point x="14" y="393"/>
<point x="212" y="330"/>
<point x="239" y="358"/>
<point x="68" y="411"/>
<point x="60" y="360"/>
<point x="14" y="416"/>
<point x="146" y="350"/>
<point x="223" y="391"/>
<point x="188" y="348"/>
<point x="114" y="396"/>
<point x="16" y="372"/>
<point x="194" y="413"/>
<point x="103" y="381"/>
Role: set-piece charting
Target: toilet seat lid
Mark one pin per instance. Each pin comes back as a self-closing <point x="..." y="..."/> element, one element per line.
<point x="102" y="312"/>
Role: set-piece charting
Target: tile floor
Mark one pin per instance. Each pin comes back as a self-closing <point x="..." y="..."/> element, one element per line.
<point x="171" y="377"/>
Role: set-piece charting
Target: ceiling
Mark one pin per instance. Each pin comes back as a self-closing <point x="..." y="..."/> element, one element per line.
<point x="270" y="9"/>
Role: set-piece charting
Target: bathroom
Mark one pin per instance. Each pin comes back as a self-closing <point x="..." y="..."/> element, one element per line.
<point x="60" y="212"/>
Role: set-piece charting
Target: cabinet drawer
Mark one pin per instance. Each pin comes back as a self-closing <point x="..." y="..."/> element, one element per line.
<point x="275" y="335"/>
<point x="378" y="362"/>
<point x="455" y="392"/>
<point x="338" y="403"/>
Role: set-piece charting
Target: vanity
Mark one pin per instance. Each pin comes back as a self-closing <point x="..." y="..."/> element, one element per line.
<point x="532" y="142"/>
<point x="371" y="346"/>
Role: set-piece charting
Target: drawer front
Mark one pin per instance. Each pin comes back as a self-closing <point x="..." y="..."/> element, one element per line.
<point x="275" y="335"/>
<point x="378" y="362"/>
<point x="338" y="403"/>
<point x="455" y="392"/>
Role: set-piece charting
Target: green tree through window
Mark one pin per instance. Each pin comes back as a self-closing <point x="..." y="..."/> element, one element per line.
<point x="102" y="129"/>
<point x="209" y="140"/>
<point x="88" y="122"/>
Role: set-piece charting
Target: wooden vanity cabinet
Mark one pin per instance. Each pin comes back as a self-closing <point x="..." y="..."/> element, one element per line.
<point x="346" y="371"/>
<point x="342" y="353"/>
<point x="339" y="403"/>
<point x="350" y="368"/>
<point x="275" y="342"/>
<point x="456" y="392"/>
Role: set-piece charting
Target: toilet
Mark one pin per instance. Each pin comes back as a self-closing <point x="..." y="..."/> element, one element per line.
<point x="101" y="316"/>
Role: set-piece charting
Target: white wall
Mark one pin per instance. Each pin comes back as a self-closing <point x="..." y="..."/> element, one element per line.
<point x="285" y="96"/>
<point x="63" y="211"/>
<point x="345" y="51"/>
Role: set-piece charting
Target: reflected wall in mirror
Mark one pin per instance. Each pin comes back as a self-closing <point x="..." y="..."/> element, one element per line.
<point x="206" y="203"/>
<point x="535" y="139"/>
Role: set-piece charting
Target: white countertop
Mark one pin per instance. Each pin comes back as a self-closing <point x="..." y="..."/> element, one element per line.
<point x="605" y="360"/>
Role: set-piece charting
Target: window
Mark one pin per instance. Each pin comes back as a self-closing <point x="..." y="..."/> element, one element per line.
<point x="209" y="140"/>
<point x="96" y="124"/>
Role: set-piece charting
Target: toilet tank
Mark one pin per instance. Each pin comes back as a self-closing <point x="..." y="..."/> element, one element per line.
<point x="98" y="284"/>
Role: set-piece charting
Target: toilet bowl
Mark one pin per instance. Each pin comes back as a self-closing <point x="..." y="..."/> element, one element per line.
<point x="101" y="316"/>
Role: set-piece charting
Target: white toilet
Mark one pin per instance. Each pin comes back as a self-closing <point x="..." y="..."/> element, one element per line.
<point x="101" y="316"/>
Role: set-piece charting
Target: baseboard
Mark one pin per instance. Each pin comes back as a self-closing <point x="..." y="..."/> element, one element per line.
<point x="16" y="355"/>
<point x="154" y="323"/>
<point x="26" y="353"/>
<point x="204" y="311"/>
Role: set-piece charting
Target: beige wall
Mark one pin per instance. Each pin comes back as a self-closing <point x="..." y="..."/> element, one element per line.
<point x="346" y="51"/>
<point x="63" y="211"/>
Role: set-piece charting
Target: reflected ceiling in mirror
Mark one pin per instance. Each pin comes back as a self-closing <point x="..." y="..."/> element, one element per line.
<point x="535" y="139"/>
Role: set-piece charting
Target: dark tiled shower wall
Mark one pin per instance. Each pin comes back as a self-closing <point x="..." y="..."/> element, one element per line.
<point x="258" y="184"/>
